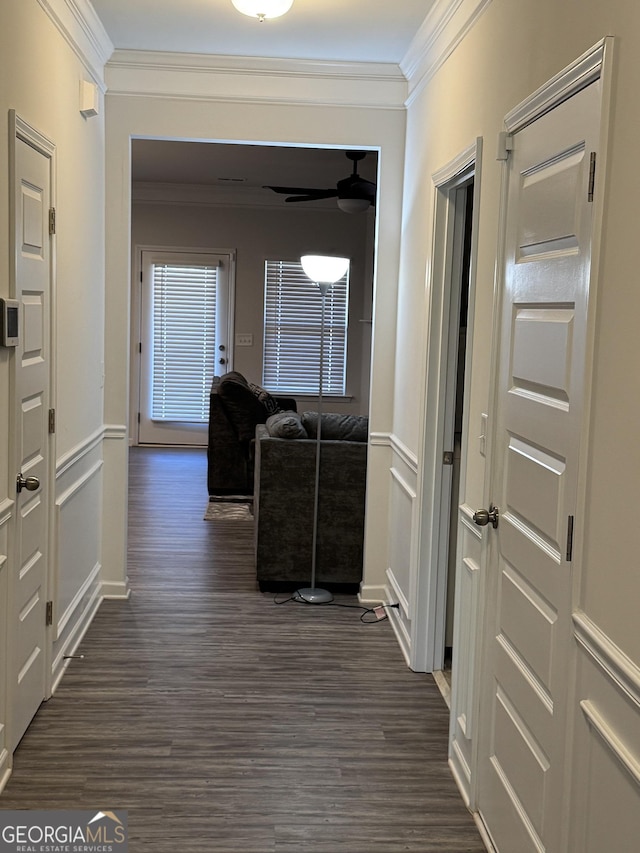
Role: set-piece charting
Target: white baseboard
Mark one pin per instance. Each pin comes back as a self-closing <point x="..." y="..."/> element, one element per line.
<point x="116" y="589"/>
<point x="372" y="594"/>
<point x="5" y="769"/>
<point x="61" y="662"/>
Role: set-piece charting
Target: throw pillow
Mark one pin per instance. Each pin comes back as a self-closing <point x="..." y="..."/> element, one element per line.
<point x="269" y="402"/>
<point x="286" y="425"/>
<point x="336" y="427"/>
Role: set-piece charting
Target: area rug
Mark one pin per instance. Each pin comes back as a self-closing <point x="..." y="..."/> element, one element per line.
<point x="229" y="509"/>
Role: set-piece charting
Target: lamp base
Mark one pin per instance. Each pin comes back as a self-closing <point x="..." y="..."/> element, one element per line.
<point x="313" y="595"/>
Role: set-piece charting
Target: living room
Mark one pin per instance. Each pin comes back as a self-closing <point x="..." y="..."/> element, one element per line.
<point x="188" y="196"/>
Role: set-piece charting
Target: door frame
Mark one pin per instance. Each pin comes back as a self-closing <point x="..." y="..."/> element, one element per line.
<point x="19" y="129"/>
<point x="135" y="363"/>
<point x="429" y="595"/>
<point x="595" y="64"/>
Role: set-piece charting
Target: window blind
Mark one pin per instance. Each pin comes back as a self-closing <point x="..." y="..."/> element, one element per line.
<point x="292" y="323"/>
<point x="184" y="327"/>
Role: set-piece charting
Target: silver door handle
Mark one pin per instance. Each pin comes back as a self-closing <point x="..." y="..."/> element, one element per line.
<point x="482" y="517"/>
<point x="28" y="483"/>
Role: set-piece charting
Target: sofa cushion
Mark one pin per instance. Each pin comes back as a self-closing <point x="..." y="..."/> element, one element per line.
<point x="336" y="427"/>
<point x="244" y="409"/>
<point x="286" y="425"/>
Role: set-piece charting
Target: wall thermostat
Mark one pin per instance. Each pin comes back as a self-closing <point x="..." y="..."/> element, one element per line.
<point x="9" y="324"/>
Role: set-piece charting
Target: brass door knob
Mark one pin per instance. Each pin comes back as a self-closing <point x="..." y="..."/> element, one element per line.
<point x="28" y="483"/>
<point x="482" y="517"/>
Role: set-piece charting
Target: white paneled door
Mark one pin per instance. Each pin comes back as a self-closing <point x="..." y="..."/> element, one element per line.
<point x="28" y="591"/>
<point x="185" y="338"/>
<point x="539" y="411"/>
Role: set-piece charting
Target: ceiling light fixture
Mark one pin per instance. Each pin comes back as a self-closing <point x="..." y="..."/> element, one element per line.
<point x="262" y="9"/>
<point x="354" y="205"/>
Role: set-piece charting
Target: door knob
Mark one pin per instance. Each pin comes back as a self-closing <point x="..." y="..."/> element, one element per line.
<point x="28" y="483"/>
<point x="482" y="517"/>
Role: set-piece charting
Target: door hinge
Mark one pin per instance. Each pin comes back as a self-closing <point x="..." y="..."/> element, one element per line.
<point x="569" y="554"/>
<point x="140" y="346"/>
<point x="138" y="417"/>
<point x="52" y="220"/>
<point x="49" y="613"/>
<point x="52" y="421"/>
<point x="447" y="457"/>
<point x="505" y="144"/>
<point x="592" y="176"/>
<point x="140" y="276"/>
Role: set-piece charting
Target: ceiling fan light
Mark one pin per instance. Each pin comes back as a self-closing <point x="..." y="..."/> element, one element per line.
<point x="324" y="269"/>
<point x="262" y="9"/>
<point x="353" y="205"/>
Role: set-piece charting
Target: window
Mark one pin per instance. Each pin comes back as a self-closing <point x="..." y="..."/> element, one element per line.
<point x="292" y="323"/>
<point x="184" y="333"/>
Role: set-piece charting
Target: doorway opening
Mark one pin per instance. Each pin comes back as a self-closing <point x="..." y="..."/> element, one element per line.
<point x="198" y="196"/>
<point x="446" y="413"/>
<point x="457" y="362"/>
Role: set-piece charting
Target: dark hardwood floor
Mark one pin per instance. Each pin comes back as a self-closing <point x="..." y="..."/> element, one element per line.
<point x="227" y="724"/>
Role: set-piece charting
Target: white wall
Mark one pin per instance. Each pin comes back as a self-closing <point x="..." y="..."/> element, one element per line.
<point x="41" y="73"/>
<point x="456" y="96"/>
<point x="257" y="234"/>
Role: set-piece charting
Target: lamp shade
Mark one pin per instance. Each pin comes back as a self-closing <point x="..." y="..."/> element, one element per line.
<point x="324" y="269"/>
<point x="262" y="9"/>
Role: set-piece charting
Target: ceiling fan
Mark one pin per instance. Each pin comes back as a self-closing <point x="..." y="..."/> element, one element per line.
<point x="354" y="194"/>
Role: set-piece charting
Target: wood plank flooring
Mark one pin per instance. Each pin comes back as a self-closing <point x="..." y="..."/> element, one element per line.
<point x="227" y="724"/>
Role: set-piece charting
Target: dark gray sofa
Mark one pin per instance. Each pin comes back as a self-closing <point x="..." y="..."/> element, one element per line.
<point x="283" y="510"/>
<point x="235" y="407"/>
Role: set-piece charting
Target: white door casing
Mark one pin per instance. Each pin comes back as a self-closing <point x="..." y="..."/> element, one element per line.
<point x="428" y="616"/>
<point x="32" y="167"/>
<point x="155" y="431"/>
<point x="538" y="415"/>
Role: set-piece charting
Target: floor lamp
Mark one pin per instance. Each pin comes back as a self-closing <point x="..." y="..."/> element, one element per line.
<point x="324" y="271"/>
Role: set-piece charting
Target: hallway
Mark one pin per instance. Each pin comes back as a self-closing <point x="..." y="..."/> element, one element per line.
<point x="224" y="723"/>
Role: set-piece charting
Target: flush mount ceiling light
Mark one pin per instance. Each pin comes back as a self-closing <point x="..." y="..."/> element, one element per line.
<point x="262" y="9"/>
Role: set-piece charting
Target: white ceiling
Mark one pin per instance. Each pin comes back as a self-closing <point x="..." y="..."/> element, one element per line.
<point x="241" y="168"/>
<point x="377" y="31"/>
<point x="335" y="30"/>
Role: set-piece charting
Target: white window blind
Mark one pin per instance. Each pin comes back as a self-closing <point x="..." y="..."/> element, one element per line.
<point x="292" y="322"/>
<point x="184" y="329"/>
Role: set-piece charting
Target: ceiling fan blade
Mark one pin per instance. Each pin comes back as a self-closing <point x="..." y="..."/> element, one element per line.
<point x="317" y="196"/>
<point x="352" y="187"/>
<point x="313" y="191"/>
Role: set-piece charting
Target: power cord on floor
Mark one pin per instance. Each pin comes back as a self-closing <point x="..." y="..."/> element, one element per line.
<point x="379" y="611"/>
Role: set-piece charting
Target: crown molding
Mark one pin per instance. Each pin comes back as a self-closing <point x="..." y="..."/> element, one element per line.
<point x="443" y="29"/>
<point x="255" y="79"/>
<point x="256" y="64"/>
<point x="79" y="25"/>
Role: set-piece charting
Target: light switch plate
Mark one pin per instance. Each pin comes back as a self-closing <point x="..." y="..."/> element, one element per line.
<point x="244" y="340"/>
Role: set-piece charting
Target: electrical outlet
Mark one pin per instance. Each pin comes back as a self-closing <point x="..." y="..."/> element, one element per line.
<point x="244" y="340"/>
